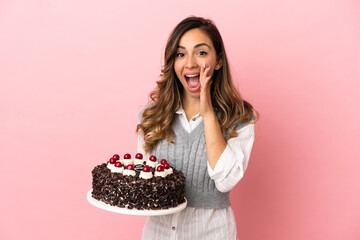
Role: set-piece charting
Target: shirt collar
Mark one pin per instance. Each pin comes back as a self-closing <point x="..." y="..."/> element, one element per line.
<point x="181" y="111"/>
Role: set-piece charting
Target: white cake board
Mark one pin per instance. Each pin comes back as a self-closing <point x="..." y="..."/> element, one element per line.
<point x="127" y="211"/>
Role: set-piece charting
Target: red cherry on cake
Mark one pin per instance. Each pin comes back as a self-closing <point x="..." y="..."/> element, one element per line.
<point x="163" y="161"/>
<point x="139" y="156"/>
<point x="112" y="160"/>
<point x="116" y="156"/>
<point x="166" y="165"/>
<point x="160" y="168"/>
<point x="127" y="156"/>
<point x="130" y="167"/>
<point x="118" y="164"/>
<point x="152" y="158"/>
<point x="146" y="168"/>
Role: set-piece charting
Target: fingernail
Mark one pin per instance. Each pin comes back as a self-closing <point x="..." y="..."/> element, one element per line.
<point x="204" y="65"/>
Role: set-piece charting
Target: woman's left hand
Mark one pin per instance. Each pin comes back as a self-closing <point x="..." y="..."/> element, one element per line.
<point x="205" y="96"/>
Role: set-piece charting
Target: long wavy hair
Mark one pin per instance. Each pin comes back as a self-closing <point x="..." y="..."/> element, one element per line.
<point x="165" y="99"/>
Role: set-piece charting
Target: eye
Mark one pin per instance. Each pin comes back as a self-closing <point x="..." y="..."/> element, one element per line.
<point x="202" y="53"/>
<point x="179" y="55"/>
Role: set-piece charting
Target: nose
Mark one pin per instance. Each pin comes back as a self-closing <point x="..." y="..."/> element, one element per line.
<point x="190" y="62"/>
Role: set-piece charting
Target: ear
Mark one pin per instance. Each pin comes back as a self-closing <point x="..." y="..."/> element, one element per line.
<point x="219" y="62"/>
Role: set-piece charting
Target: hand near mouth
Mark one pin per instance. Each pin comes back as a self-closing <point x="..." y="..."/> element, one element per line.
<point x="215" y="142"/>
<point x="205" y="95"/>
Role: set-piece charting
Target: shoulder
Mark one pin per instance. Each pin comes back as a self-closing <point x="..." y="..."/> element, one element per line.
<point x="241" y="125"/>
<point x="248" y="117"/>
<point x="143" y="110"/>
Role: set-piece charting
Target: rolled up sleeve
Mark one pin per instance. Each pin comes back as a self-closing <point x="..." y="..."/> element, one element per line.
<point x="233" y="162"/>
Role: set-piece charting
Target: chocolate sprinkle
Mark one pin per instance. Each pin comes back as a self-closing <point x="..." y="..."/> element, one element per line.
<point x="138" y="167"/>
<point x="133" y="192"/>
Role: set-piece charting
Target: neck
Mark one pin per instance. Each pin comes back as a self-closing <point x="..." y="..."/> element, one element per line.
<point x="191" y="106"/>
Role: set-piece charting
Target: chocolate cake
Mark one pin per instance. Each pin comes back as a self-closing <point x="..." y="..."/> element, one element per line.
<point x="149" y="185"/>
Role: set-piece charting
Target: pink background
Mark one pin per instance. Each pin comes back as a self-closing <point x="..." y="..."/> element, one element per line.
<point x="74" y="75"/>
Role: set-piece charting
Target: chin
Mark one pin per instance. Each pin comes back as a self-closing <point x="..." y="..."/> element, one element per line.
<point x="194" y="94"/>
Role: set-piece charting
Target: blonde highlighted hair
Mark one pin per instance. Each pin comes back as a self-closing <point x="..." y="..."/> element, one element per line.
<point x="230" y="108"/>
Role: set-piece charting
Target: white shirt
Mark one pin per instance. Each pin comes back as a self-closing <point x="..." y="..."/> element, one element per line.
<point x="201" y="223"/>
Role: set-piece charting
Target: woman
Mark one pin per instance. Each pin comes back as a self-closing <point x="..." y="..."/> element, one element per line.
<point x="198" y="121"/>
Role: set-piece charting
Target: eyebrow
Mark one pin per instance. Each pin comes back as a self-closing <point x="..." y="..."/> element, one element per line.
<point x="197" y="45"/>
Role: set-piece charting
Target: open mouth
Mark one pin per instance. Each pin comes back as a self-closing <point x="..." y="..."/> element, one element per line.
<point x="193" y="82"/>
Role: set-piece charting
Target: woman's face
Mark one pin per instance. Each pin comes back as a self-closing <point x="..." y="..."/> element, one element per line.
<point x="195" y="48"/>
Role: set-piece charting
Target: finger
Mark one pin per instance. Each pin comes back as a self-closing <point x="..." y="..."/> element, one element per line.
<point x="207" y="75"/>
<point x="207" y="82"/>
<point x="202" y="71"/>
<point x="207" y="71"/>
<point x="205" y="86"/>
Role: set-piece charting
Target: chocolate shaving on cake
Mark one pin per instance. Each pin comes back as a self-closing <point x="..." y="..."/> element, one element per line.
<point x="133" y="192"/>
